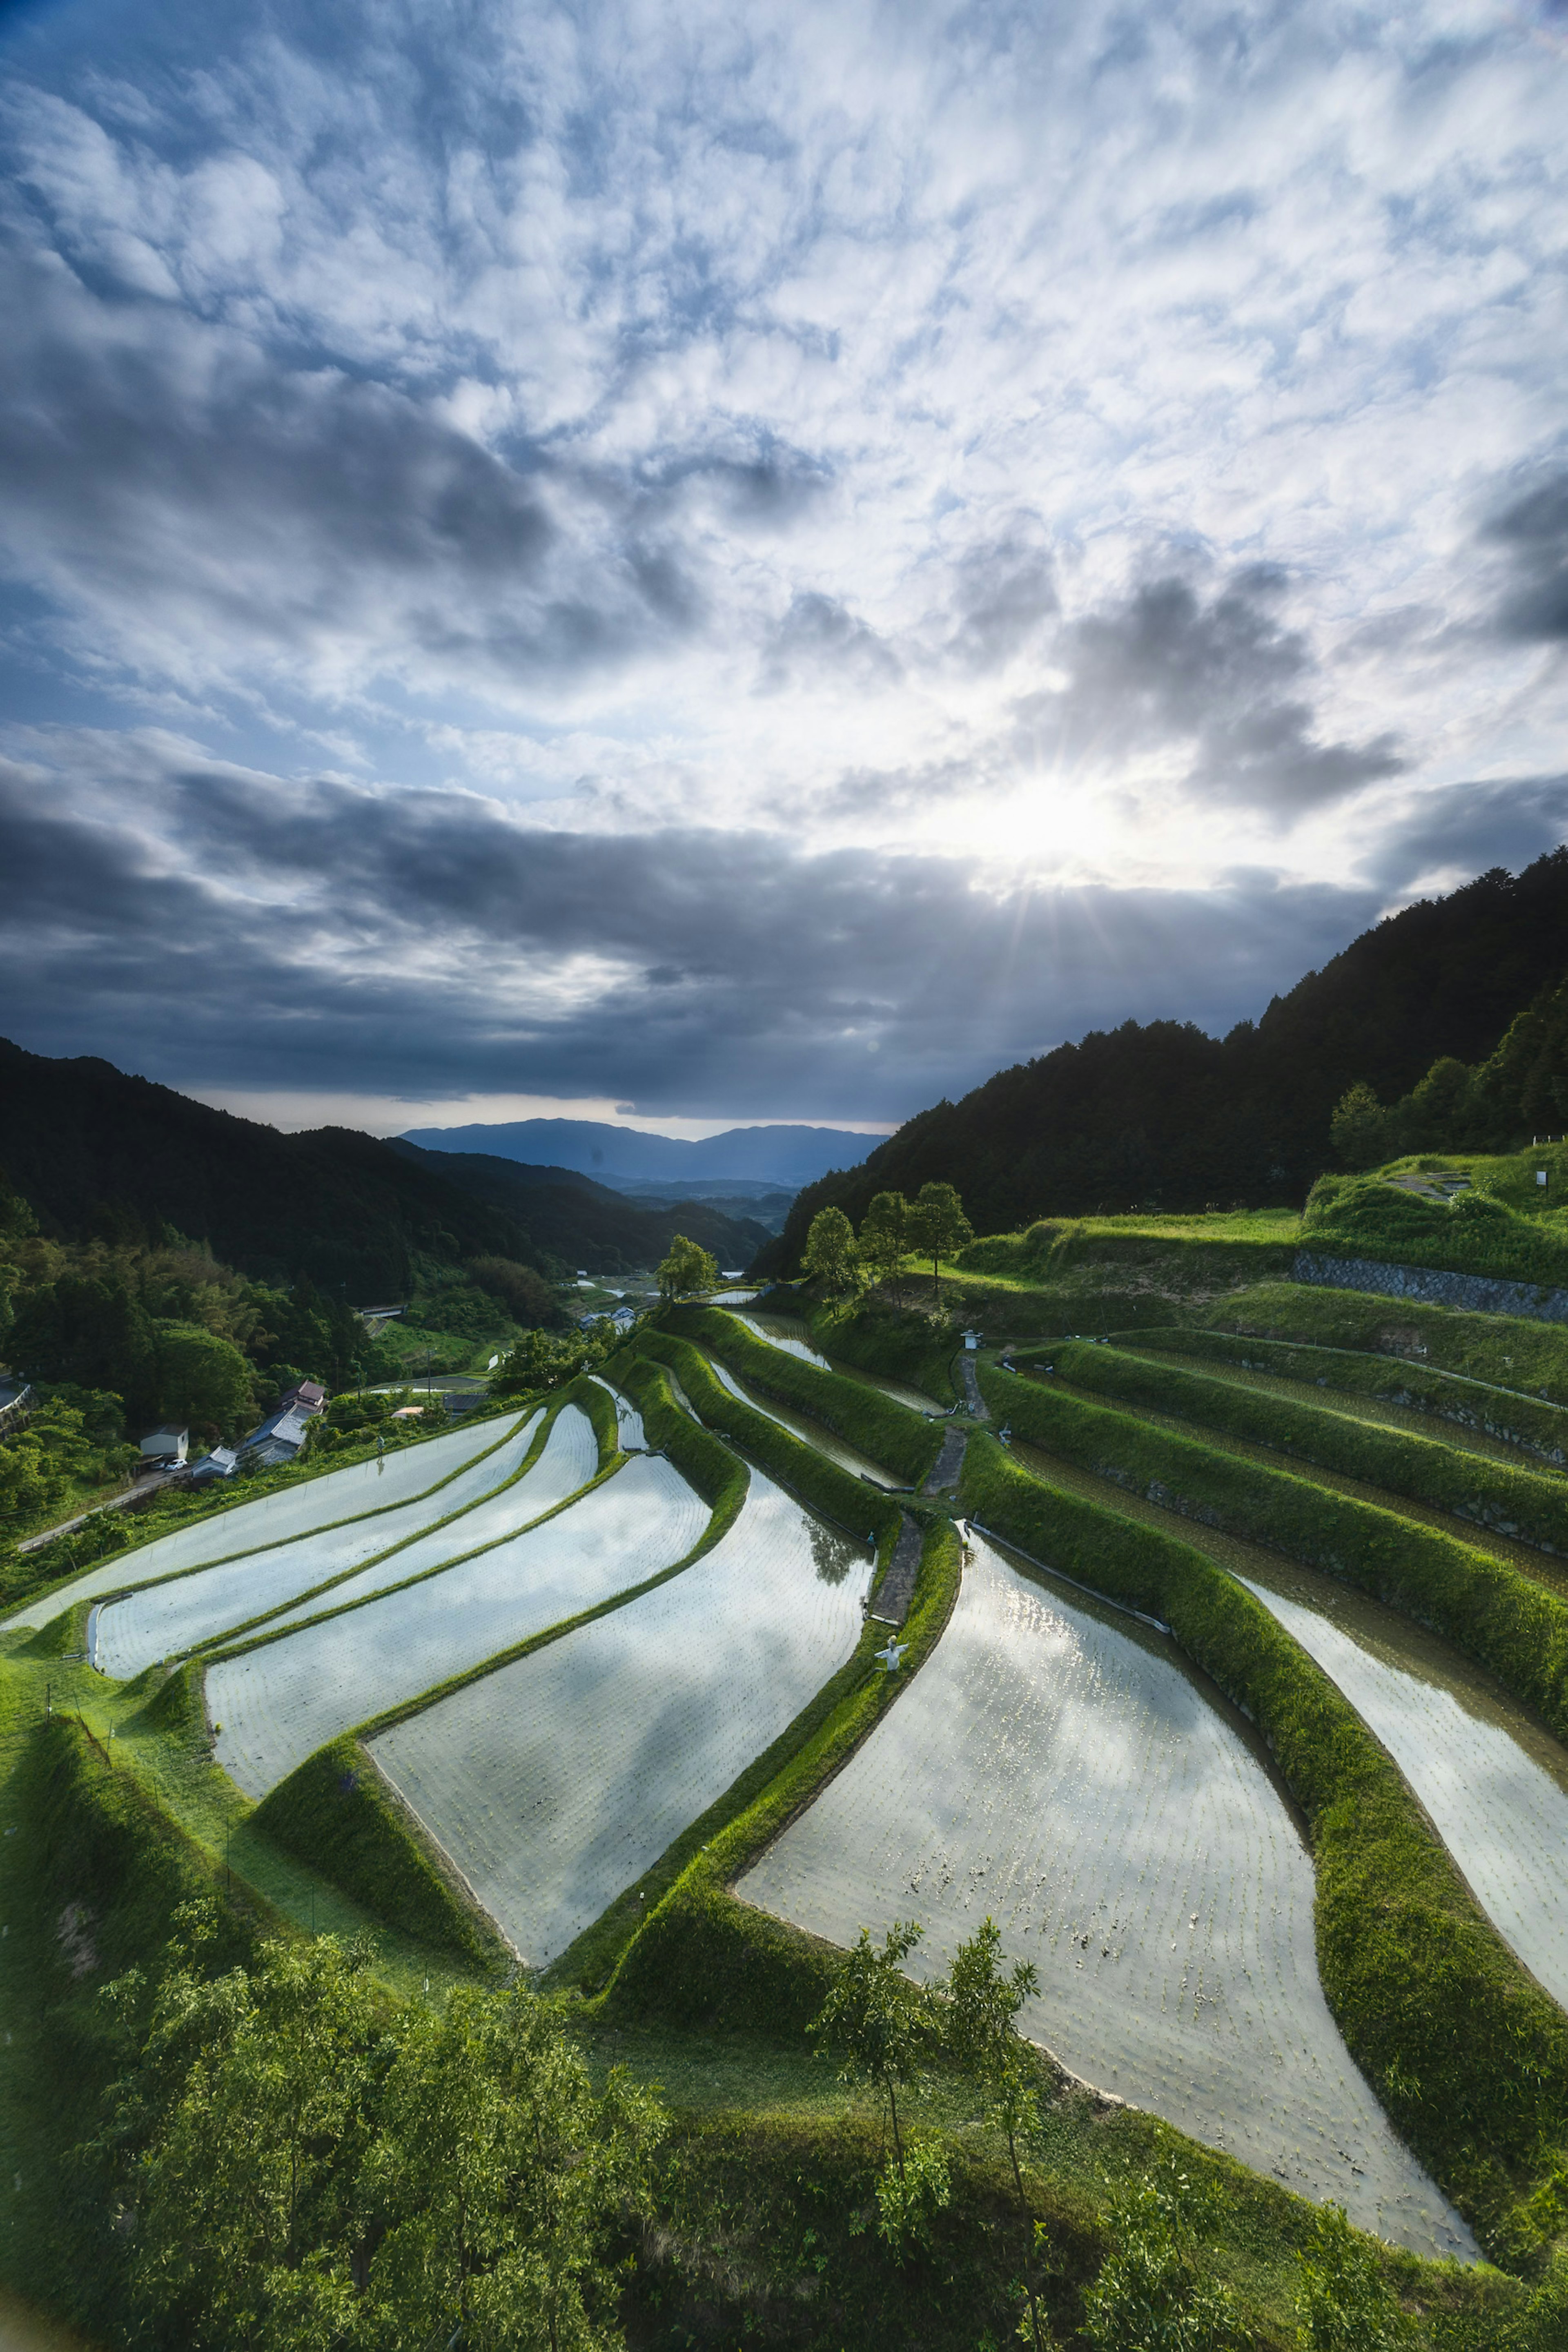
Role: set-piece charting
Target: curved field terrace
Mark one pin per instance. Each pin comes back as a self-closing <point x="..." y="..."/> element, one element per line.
<point x="1055" y="1768"/>
<point x="554" y="1781"/>
<point x="279" y="1701"/>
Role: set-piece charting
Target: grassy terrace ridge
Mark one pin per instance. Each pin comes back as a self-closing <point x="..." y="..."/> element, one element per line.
<point x="1466" y="2051"/>
<point x="881" y="1428"/>
<point x="820" y="1484"/>
<point x="870" y="1334"/>
<point x="187" y="1506"/>
<point x="1523" y="1422"/>
<point x="1515" y="1503"/>
<point x="1487" y="1229"/>
<point x="1497" y="1617"/>
<point x="1528" y="1358"/>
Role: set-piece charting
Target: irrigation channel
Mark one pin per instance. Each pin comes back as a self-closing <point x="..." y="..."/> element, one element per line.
<point x="1058" y="1768"/>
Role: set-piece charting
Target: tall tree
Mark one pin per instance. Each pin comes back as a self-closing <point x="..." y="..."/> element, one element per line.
<point x="497" y="2178"/>
<point x="831" y="1258"/>
<point x="688" y="1267"/>
<point x="940" y="1228"/>
<point x="981" y="2036"/>
<point x="882" y="2029"/>
<point x="884" y="1240"/>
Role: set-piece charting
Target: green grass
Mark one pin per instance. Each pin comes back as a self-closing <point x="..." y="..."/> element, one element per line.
<point x="1514" y="1501"/>
<point x="887" y="1432"/>
<point x="1515" y="1628"/>
<point x="872" y="1336"/>
<point x="833" y="1493"/>
<point x="1530" y="1359"/>
<point x="1478" y="1234"/>
<point x="1466" y="2052"/>
<point x="1518" y="1421"/>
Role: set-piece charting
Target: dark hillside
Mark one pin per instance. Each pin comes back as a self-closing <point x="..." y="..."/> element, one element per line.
<point x="99" y="1154"/>
<point x="588" y="1225"/>
<point x="1160" y="1114"/>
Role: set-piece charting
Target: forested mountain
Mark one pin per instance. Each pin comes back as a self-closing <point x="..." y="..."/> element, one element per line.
<point x="589" y="1225"/>
<point x="783" y="1156"/>
<point x="100" y="1155"/>
<point x="1160" y="1114"/>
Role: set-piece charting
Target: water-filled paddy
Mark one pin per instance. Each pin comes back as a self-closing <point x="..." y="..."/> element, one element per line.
<point x="815" y="1435"/>
<point x="629" y="1429"/>
<point x="554" y="1781"/>
<point x="792" y="1335"/>
<point x="570" y="1459"/>
<point x="158" y="1621"/>
<point x="1494" y="1783"/>
<point x="1055" y="1768"/>
<point x="276" y="1518"/>
<point x="282" y="1700"/>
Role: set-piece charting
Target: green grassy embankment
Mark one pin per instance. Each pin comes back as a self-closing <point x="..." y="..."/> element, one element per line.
<point x="892" y="1342"/>
<point x="337" y="1814"/>
<point x="1466" y="2051"/>
<point x="884" y="1431"/>
<point x="1528" y="1358"/>
<point x="1514" y="1502"/>
<point x="1516" y="1629"/>
<point x="848" y="1502"/>
<point x="1533" y="1428"/>
<point x="1478" y="1233"/>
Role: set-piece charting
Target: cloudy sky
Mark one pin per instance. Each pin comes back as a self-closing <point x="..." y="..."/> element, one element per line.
<point x="711" y="562"/>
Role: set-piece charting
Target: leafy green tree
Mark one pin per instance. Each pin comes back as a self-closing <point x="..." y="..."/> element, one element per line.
<point x="543" y="1360"/>
<point x="980" y="2037"/>
<point x="524" y="1293"/>
<point x="830" y="1256"/>
<point x="1151" y="2296"/>
<point x="201" y="1379"/>
<point x="1360" y="1128"/>
<point x="688" y="1267"/>
<point x="497" y="2182"/>
<point x="240" y="2132"/>
<point x="1345" y="2303"/>
<point x="882" y="2029"/>
<point x="939" y="1228"/>
<point x="90" y="1328"/>
<point x="884" y="1239"/>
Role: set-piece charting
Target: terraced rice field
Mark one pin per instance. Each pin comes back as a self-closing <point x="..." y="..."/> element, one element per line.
<point x="859" y="1465"/>
<point x="783" y="1331"/>
<point x="1055" y="1768"/>
<point x="276" y="1518"/>
<point x="278" y="1702"/>
<point x="554" y="1781"/>
<point x="570" y="1459"/>
<point x="165" y="1620"/>
<point x="1495" y="1785"/>
<point x="629" y="1426"/>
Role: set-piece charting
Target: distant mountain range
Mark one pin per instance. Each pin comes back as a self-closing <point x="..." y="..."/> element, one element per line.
<point x="99" y="1153"/>
<point x="781" y="1157"/>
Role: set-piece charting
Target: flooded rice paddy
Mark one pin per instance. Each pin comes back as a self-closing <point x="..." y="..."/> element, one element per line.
<point x="1494" y="1783"/>
<point x="554" y="1781"/>
<point x="279" y="1702"/>
<point x="814" y="1432"/>
<point x="570" y="1459"/>
<point x="790" y="1333"/>
<point x="161" y="1620"/>
<point x="1053" y="1766"/>
<point x="275" y="1518"/>
<point x="629" y="1429"/>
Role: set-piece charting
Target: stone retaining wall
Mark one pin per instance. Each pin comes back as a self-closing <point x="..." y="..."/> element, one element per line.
<point x="1479" y="1294"/>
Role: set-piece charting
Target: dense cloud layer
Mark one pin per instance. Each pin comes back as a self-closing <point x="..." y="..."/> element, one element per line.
<point x="230" y="928"/>
<point x="761" y="564"/>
